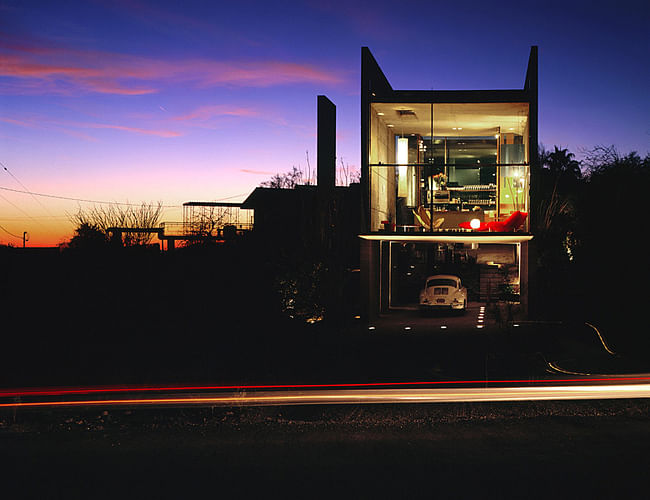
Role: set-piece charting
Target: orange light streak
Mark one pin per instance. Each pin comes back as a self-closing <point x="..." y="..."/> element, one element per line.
<point x="369" y="396"/>
<point x="61" y="391"/>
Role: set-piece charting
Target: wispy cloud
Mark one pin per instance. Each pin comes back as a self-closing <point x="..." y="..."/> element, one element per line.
<point x="211" y="111"/>
<point x="31" y="68"/>
<point x="256" y="172"/>
<point x="135" y="130"/>
<point x="21" y="123"/>
<point x="74" y="128"/>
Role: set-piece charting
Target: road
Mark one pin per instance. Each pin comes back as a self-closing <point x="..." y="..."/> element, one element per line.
<point x="546" y="449"/>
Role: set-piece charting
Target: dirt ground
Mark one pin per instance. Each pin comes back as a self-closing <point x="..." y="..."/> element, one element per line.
<point x="519" y="450"/>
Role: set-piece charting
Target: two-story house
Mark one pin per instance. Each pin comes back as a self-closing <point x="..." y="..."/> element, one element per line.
<point x="445" y="188"/>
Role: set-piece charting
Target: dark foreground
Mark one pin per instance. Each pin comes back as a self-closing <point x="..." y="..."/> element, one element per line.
<point x="525" y="450"/>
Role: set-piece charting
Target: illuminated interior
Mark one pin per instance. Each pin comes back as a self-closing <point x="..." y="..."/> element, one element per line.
<point x="434" y="166"/>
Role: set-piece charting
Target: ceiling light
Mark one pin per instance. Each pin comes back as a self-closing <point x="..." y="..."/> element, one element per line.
<point x="379" y="113"/>
<point x="390" y="126"/>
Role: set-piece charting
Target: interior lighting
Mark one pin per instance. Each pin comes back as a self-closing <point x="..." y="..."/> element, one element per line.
<point x="379" y="113"/>
<point x="402" y="160"/>
<point x="443" y="327"/>
<point x="407" y="328"/>
<point x="479" y="326"/>
<point x="390" y="126"/>
<point x="371" y="328"/>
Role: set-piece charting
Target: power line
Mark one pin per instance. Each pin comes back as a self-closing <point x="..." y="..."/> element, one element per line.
<point x="19" y="219"/>
<point x="24" y="187"/>
<point x="11" y="234"/>
<point x="20" y="210"/>
<point x="100" y="202"/>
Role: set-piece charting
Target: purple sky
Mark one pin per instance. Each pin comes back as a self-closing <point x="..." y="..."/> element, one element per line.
<point x="177" y="101"/>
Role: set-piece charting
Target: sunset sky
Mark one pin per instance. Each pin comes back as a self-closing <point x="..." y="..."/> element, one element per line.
<point x="130" y="101"/>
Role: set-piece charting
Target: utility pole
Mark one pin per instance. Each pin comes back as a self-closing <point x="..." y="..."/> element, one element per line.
<point x="24" y="238"/>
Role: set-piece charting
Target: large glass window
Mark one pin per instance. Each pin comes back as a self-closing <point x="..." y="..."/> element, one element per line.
<point x="442" y="166"/>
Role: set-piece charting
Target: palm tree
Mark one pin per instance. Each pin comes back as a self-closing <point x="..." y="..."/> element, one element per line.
<point x="562" y="163"/>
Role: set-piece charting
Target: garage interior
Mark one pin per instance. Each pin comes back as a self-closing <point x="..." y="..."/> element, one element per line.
<point x="490" y="271"/>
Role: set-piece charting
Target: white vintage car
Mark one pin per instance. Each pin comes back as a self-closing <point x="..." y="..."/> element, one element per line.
<point x="443" y="291"/>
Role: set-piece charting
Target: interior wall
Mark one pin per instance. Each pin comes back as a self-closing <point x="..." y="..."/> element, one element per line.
<point x="382" y="179"/>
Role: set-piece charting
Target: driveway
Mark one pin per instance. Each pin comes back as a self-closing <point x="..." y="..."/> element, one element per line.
<point x="409" y="321"/>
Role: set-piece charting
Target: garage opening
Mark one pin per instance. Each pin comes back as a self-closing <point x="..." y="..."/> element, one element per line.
<point x="489" y="271"/>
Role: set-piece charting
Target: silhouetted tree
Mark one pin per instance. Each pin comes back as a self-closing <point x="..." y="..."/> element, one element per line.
<point x="558" y="184"/>
<point x="146" y="216"/>
<point x="609" y="228"/>
<point x="287" y="180"/>
<point x="88" y="237"/>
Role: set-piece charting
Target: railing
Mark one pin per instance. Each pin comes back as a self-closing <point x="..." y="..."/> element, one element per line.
<point x="181" y="229"/>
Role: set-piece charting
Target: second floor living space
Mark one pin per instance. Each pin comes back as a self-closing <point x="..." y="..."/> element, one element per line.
<point x="446" y="160"/>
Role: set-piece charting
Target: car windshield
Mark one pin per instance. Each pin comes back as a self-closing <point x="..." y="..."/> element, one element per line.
<point x="441" y="282"/>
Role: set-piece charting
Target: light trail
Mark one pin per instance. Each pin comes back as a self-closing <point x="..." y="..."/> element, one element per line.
<point x="63" y="391"/>
<point x="363" y="396"/>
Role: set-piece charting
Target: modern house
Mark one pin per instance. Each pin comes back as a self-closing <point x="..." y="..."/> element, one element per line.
<point x="445" y="188"/>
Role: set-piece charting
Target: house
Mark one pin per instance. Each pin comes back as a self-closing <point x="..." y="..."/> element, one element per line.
<point x="445" y="188"/>
<point x="322" y="218"/>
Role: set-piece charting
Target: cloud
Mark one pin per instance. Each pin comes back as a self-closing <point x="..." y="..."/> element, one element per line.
<point x="73" y="128"/>
<point x="210" y="111"/>
<point x="31" y="68"/>
<point x="135" y="130"/>
<point x="21" y="123"/>
<point x="63" y="79"/>
<point x="256" y="172"/>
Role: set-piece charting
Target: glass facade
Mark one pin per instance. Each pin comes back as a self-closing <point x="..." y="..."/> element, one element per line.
<point x="443" y="166"/>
